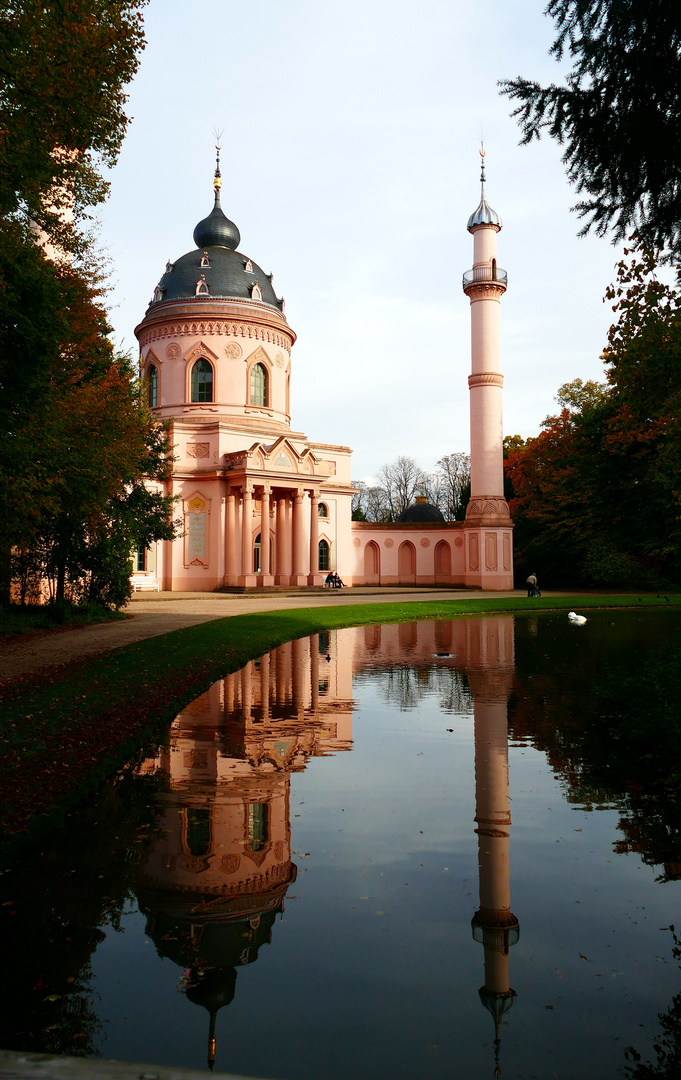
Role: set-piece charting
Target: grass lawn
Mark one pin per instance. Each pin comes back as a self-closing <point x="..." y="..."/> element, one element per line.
<point x="63" y="735"/>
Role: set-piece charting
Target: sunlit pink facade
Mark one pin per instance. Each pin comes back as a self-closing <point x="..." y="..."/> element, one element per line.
<point x="262" y="505"/>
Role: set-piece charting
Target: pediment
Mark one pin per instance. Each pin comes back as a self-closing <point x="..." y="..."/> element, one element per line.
<point x="152" y="358"/>
<point x="259" y="357"/>
<point x="283" y="455"/>
<point x="200" y="349"/>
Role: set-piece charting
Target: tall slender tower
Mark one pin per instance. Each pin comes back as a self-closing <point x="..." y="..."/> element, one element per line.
<point x="489" y="548"/>
<point x="491" y="660"/>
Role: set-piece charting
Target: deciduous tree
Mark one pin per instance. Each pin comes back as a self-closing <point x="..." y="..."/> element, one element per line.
<point x="596" y="496"/>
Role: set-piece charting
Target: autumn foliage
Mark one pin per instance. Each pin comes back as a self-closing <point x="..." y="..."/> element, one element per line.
<point x="596" y="496"/>
<point x="82" y="461"/>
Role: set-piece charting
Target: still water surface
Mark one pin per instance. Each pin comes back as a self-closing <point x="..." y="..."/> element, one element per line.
<point x="375" y="852"/>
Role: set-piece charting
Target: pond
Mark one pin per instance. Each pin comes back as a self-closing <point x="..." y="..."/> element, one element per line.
<point x="405" y="851"/>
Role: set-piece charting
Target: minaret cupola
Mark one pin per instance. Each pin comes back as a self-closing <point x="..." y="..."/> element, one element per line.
<point x="484" y="215"/>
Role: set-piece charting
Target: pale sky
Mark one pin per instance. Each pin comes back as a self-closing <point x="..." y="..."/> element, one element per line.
<point x="350" y="165"/>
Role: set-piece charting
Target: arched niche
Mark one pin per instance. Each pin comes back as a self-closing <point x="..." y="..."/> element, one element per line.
<point x="406" y="563"/>
<point x="372" y="564"/>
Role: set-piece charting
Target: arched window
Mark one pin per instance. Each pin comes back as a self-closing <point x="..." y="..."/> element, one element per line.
<point x="205" y="261"/>
<point x="256" y="292"/>
<point x="202" y="381"/>
<point x="258" y="385"/>
<point x="258" y="825"/>
<point x="198" y="830"/>
<point x="323" y="555"/>
<point x="202" y="286"/>
<point x="152" y="386"/>
<point x="256" y="553"/>
<point x="323" y="510"/>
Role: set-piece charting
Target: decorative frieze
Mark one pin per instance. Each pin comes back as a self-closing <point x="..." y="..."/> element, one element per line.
<point x="487" y="291"/>
<point x="214" y="326"/>
<point x="486" y="378"/>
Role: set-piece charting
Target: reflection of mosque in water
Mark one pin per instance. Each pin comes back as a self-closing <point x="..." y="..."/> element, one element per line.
<point x="215" y="880"/>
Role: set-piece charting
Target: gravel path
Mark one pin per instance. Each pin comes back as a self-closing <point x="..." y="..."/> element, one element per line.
<point x="162" y="612"/>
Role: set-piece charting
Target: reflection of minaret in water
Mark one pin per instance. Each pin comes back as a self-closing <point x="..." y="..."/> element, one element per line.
<point x="212" y="884"/>
<point x="494" y="924"/>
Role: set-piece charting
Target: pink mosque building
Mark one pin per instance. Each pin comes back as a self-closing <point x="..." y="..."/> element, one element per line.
<point x="262" y="504"/>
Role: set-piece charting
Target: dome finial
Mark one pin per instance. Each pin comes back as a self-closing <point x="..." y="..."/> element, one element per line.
<point x="217" y="182"/>
<point x="217" y="230"/>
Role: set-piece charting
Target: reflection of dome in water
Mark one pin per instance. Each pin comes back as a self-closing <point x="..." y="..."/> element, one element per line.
<point x="194" y="941"/>
<point x="213" y="989"/>
<point x="210" y="950"/>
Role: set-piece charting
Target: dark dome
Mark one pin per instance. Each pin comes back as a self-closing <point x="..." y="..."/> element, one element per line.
<point x="421" y="511"/>
<point x="215" y="269"/>
<point x="225" y="275"/>
<point x="217" y="229"/>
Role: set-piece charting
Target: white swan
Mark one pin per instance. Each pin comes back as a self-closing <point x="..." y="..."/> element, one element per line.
<point x="579" y="620"/>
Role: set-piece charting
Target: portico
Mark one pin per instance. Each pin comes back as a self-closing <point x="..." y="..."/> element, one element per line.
<point x="272" y="533"/>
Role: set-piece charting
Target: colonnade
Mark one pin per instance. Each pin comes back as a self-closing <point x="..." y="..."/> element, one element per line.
<point x="289" y="535"/>
<point x="283" y="681"/>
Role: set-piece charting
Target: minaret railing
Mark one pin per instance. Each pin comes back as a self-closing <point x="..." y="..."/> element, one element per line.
<point x="485" y="273"/>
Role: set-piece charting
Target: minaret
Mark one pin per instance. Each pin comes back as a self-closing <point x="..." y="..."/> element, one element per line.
<point x="494" y="925"/>
<point x="489" y="552"/>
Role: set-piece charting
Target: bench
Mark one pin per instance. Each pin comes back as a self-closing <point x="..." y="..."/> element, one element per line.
<point x="144" y="581"/>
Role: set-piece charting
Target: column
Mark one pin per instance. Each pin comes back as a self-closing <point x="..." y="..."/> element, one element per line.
<point x="314" y="674"/>
<point x="314" y="577"/>
<point x="265" y="686"/>
<point x="283" y="542"/>
<point x="280" y="675"/>
<point x="299" y="575"/>
<point x="300" y="679"/>
<point x="230" y="694"/>
<point x="247" y="691"/>
<point x="231" y="566"/>
<point x="247" y="577"/>
<point x="265" y="577"/>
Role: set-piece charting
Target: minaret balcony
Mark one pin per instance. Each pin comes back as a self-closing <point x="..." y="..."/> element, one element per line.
<point x="485" y="275"/>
